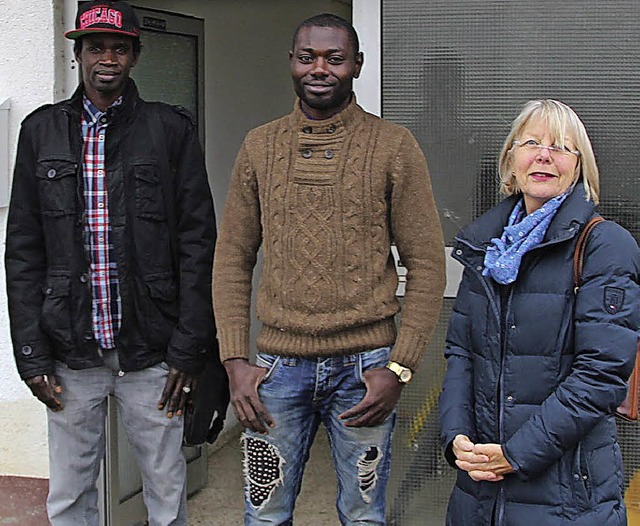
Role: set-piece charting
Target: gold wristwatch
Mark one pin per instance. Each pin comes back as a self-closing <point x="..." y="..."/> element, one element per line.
<point x="403" y="373"/>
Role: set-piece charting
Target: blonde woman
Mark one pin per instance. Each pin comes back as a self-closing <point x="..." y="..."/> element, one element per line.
<point x="534" y="369"/>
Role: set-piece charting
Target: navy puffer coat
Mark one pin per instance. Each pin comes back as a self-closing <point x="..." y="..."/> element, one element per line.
<point x="540" y="369"/>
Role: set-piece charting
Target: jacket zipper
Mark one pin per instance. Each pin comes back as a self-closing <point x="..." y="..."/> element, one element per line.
<point x="504" y="330"/>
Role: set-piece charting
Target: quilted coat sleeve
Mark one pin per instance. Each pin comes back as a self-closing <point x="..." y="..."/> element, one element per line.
<point x="457" y="399"/>
<point x="606" y="318"/>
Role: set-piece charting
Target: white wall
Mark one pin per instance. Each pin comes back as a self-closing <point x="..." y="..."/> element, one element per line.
<point x="27" y="77"/>
<point x="367" y="16"/>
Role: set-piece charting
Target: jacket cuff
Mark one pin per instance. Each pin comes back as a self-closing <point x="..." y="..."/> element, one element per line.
<point x="186" y="355"/>
<point x="514" y="464"/>
<point x="33" y="359"/>
<point x="234" y="342"/>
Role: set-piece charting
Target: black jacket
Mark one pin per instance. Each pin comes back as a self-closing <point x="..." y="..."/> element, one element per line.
<point x="163" y="232"/>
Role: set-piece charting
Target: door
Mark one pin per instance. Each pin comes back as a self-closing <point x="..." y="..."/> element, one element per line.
<point x="171" y="69"/>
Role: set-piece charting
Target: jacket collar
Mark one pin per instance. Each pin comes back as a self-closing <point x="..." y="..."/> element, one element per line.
<point x="569" y="219"/>
<point x="130" y="100"/>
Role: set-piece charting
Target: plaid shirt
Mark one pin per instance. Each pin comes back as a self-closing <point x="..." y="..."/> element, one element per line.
<point x="106" y="309"/>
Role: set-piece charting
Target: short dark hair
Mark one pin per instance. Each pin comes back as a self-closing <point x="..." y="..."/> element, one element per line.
<point x="330" y="20"/>
<point x="137" y="46"/>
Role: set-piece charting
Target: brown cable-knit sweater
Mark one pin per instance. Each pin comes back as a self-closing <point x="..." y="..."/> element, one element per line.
<point x="325" y="199"/>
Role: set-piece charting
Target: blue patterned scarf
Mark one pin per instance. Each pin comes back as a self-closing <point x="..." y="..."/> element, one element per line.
<point x="522" y="233"/>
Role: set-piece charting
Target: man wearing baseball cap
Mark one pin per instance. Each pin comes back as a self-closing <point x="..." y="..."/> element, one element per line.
<point x="109" y="252"/>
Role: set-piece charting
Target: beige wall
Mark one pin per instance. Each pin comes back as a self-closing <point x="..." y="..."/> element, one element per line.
<point x="247" y="79"/>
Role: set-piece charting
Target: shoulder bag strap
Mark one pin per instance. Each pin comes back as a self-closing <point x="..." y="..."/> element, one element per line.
<point x="581" y="246"/>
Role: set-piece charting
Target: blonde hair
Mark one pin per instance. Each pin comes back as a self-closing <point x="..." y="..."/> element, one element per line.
<point x="562" y="122"/>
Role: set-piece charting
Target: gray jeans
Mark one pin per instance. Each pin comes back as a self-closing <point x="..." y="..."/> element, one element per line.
<point x="77" y="443"/>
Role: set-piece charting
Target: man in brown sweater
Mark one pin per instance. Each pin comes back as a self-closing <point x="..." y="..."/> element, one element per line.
<point x="324" y="191"/>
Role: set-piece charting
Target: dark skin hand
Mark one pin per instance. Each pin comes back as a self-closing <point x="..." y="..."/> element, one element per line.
<point x="244" y="380"/>
<point x="383" y="393"/>
<point x="46" y="389"/>
<point x="173" y="396"/>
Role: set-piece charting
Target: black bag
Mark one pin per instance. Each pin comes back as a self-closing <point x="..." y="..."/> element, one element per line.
<point x="204" y="416"/>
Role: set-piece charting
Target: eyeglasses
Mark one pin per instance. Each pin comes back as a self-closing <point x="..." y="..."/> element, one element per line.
<point x="554" y="151"/>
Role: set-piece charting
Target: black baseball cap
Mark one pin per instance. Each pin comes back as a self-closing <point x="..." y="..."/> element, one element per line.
<point x="103" y="16"/>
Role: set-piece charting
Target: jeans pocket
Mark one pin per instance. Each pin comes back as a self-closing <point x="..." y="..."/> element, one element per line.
<point x="372" y="360"/>
<point x="269" y="362"/>
<point x="164" y="366"/>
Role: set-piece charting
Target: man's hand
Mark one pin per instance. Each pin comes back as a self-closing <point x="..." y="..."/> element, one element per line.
<point x="244" y="380"/>
<point x="482" y="461"/>
<point x="177" y="392"/>
<point x="46" y="388"/>
<point x="383" y="393"/>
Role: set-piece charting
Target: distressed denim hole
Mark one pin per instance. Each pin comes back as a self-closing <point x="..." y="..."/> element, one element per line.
<point x="262" y="470"/>
<point x="367" y="475"/>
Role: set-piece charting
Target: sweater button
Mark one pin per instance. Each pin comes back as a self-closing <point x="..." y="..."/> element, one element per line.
<point x="84" y="278"/>
<point x="331" y="128"/>
<point x="48" y="291"/>
<point x="509" y="398"/>
<point x="27" y="350"/>
<point x="51" y="173"/>
<point x="306" y="154"/>
<point x="459" y="252"/>
<point x="121" y="373"/>
<point x="307" y="129"/>
<point x="329" y="154"/>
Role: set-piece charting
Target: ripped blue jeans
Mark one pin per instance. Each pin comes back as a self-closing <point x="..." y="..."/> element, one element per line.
<point x="300" y="393"/>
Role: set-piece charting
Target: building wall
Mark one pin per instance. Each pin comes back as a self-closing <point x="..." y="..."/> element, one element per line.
<point x="247" y="83"/>
<point x="28" y="78"/>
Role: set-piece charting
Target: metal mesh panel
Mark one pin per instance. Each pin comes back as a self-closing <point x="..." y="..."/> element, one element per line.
<point x="456" y="73"/>
<point x="421" y="479"/>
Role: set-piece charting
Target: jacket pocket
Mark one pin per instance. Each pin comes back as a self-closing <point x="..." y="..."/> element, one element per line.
<point x="55" y="319"/>
<point x="163" y="293"/>
<point x="151" y="228"/>
<point x="57" y="186"/>
<point x="158" y="308"/>
<point x="581" y="479"/>
<point x="603" y="465"/>
<point x="148" y="190"/>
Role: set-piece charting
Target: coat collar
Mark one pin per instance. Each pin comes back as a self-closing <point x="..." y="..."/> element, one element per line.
<point x="130" y="100"/>
<point x="568" y="221"/>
